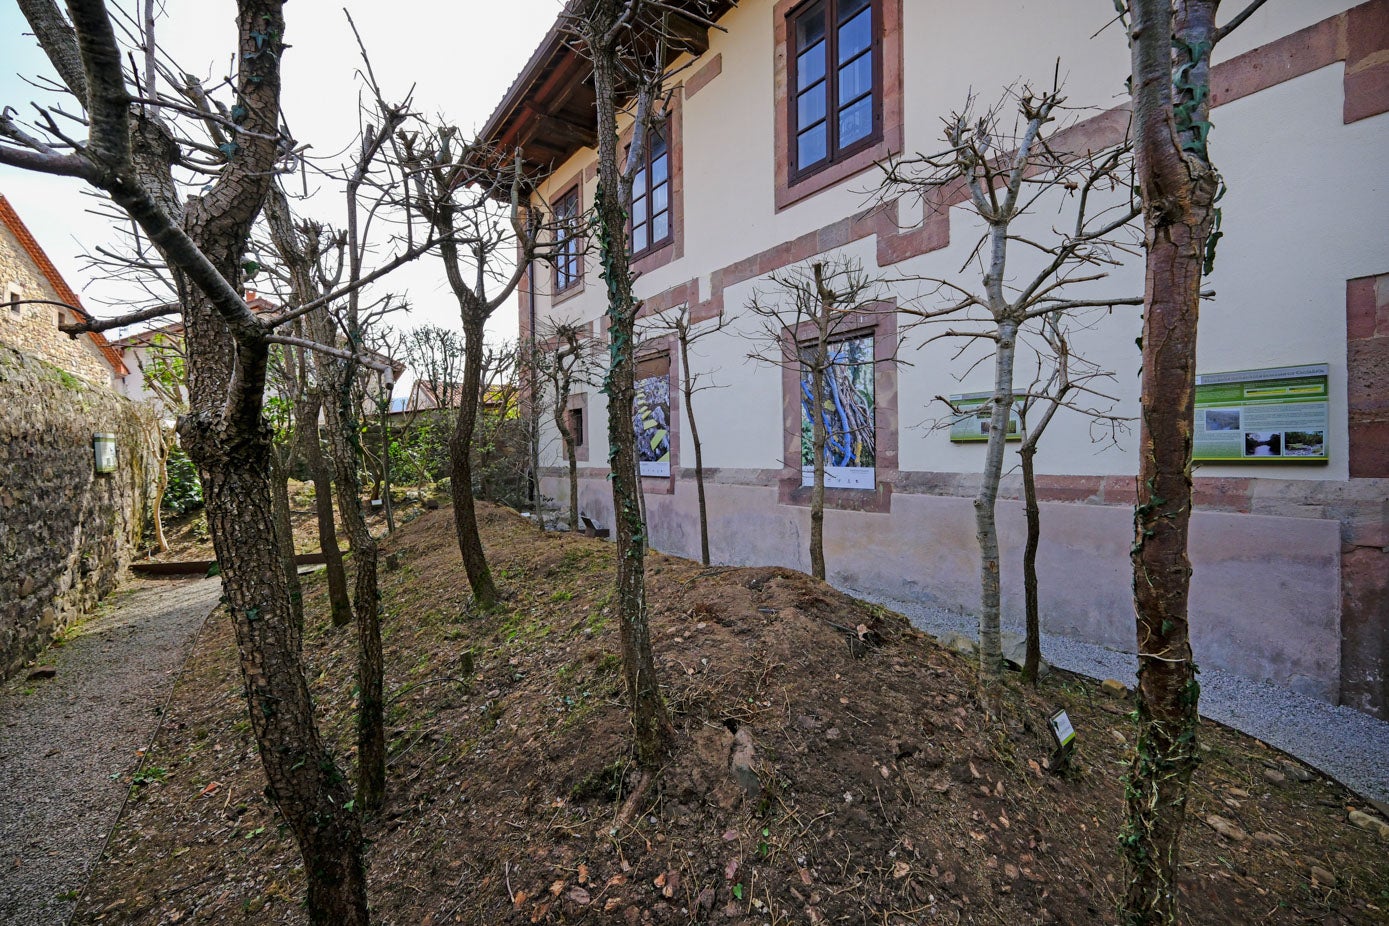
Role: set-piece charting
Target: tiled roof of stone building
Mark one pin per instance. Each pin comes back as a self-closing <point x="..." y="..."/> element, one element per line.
<point x="16" y="226"/>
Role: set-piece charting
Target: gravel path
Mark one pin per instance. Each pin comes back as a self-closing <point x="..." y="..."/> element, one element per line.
<point x="1345" y="744"/>
<point x="67" y="743"/>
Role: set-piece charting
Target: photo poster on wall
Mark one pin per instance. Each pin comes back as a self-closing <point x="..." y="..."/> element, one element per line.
<point x="849" y="415"/>
<point x="976" y="417"/>
<point x="651" y="415"/>
<point x="1263" y="416"/>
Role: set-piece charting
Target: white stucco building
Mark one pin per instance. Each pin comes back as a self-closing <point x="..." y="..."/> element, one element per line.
<point x="1291" y="557"/>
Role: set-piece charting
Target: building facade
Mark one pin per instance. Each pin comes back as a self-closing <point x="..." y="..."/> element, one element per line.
<point x="767" y="161"/>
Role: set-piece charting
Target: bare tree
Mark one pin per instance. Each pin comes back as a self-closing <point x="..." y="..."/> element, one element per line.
<point x="566" y="359"/>
<point x="162" y="370"/>
<point x="435" y="354"/>
<point x="307" y="411"/>
<point x="688" y="333"/>
<point x="130" y="153"/>
<point x="1005" y="170"/>
<point x="1070" y="382"/>
<point x="629" y="44"/>
<point x="475" y="201"/>
<point x="806" y="323"/>
<point x="318" y="261"/>
<point x="1170" y="43"/>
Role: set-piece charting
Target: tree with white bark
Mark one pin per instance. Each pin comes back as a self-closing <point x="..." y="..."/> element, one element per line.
<point x="1005" y="168"/>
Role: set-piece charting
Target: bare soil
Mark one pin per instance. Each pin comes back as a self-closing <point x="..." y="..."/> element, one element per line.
<point x="833" y="765"/>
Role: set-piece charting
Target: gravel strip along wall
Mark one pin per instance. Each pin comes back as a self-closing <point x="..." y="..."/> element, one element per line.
<point x="66" y="533"/>
<point x="1344" y="743"/>
<point x="69" y="744"/>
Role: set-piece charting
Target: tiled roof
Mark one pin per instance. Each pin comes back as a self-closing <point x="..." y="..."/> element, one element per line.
<point x="21" y="232"/>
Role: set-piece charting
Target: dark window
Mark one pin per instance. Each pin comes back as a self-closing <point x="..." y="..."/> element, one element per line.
<point x="651" y="219"/>
<point x="836" y="103"/>
<point x="576" y="426"/>
<point x="12" y="297"/>
<point x="569" y="267"/>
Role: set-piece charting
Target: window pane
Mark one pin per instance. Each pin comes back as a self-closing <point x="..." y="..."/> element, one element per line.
<point x="810" y="26"/>
<point x="810" y="146"/>
<point x="810" y="66"/>
<point x="848" y="8"/>
<point x="639" y="209"/>
<point x="856" y="122"/>
<point x="657" y="147"/>
<point x="639" y="238"/>
<point x="660" y="198"/>
<point x="855" y="35"/>
<point x="855" y="78"/>
<point x="810" y="107"/>
<point x="660" y="169"/>
<point x="660" y="227"/>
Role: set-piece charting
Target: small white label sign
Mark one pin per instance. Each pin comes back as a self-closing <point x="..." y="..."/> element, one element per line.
<point x="1061" y="727"/>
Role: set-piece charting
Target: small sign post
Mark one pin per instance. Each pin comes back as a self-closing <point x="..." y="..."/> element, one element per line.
<point x="1065" y="735"/>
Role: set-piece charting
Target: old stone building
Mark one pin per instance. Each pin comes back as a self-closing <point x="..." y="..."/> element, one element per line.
<point x="27" y="274"/>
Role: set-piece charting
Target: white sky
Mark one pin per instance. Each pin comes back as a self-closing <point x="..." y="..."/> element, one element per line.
<point x="460" y="56"/>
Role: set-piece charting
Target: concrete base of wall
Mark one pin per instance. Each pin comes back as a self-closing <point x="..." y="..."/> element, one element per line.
<point x="1266" y="591"/>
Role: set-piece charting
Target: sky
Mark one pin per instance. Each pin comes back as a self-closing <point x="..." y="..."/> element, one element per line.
<point x="460" y="57"/>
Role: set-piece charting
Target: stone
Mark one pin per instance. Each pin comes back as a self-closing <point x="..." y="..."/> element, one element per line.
<point x="1274" y="777"/>
<point x="1322" y="876"/>
<point x="1367" y="822"/>
<point x="1015" y="654"/>
<point x="743" y="763"/>
<point x="27" y="588"/>
<point x="1297" y="772"/>
<point x="960" y="643"/>
<point x="1114" y="688"/>
<point x="41" y="672"/>
<point x="1227" y="828"/>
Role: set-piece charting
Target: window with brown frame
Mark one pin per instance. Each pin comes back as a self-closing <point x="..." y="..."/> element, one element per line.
<point x="836" y="75"/>
<point x="575" y="424"/>
<point x="568" y="259"/>
<point x="652" y="227"/>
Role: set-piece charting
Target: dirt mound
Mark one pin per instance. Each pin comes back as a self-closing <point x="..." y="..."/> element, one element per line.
<point x="832" y="766"/>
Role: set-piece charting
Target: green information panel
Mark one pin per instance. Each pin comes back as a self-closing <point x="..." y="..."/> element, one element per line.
<point x="976" y="416"/>
<point x="1261" y="416"/>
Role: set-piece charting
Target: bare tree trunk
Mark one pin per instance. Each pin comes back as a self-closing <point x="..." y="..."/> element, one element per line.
<point x="161" y="485"/>
<point x="386" y="501"/>
<point x="985" y="504"/>
<point x="698" y="448"/>
<point x="561" y="384"/>
<point x="303" y="779"/>
<point x="284" y="532"/>
<point x="1032" y="662"/>
<point x="817" y="491"/>
<point x="343" y="442"/>
<point x="461" y="471"/>
<point x="1171" y="79"/>
<point x="652" y="728"/>
<point x="340" y="604"/>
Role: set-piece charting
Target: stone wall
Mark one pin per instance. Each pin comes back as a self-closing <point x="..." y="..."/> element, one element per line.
<point x="66" y="533"/>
